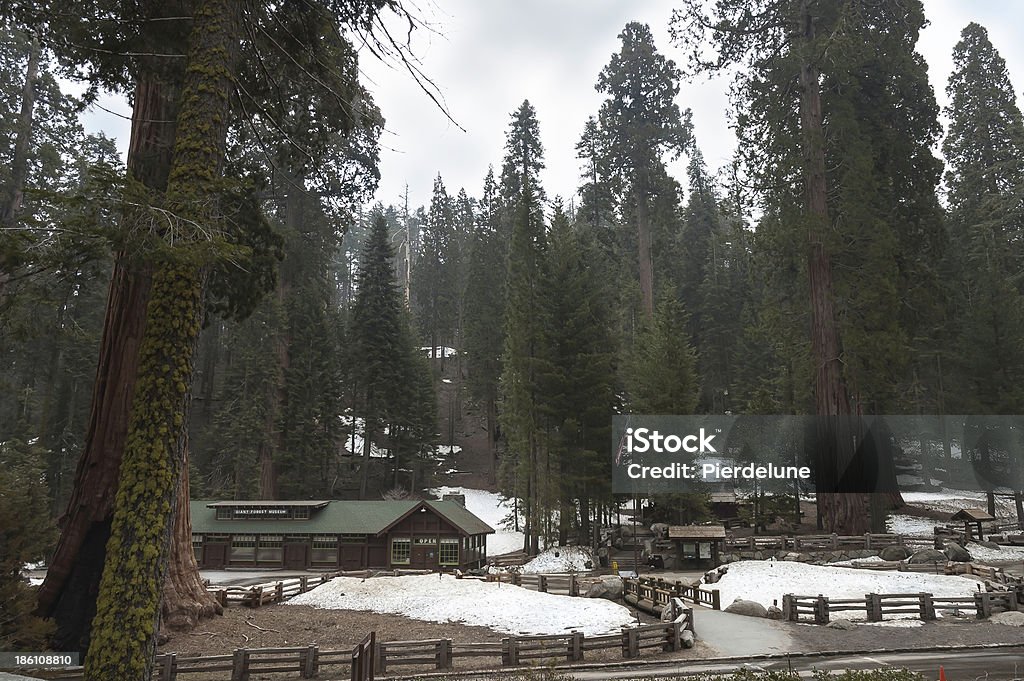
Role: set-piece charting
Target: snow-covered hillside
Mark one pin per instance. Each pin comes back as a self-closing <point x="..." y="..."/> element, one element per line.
<point x="768" y="581"/>
<point x="501" y="607"/>
<point x="493" y="510"/>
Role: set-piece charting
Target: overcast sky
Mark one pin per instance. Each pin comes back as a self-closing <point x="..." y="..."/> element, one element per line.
<point x="487" y="56"/>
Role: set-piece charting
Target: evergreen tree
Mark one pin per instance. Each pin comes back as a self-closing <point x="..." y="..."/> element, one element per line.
<point x="643" y="125"/>
<point x="485" y="306"/>
<point x="577" y="379"/>
<point x="985" y="151"/>
<point x="434" y="273"/>
<point x="524" y="328"/>
<point x="381" y="346"/>
<point x="662" y="370"/>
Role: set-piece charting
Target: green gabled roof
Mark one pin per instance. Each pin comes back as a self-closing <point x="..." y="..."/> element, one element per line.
<point x="461" y="517"/>
<point x="337" y="517"/>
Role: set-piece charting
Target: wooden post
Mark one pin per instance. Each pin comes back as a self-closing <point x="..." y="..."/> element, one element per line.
<point x="874" y="607"/>
<point x="835" y="541"/>
<point x="240" y="665"/>
<point x="542" y="583"/>
<point x="574" y="588"/>
<point x="309" y="661"/>
<point x="257" y="595"/>
<point x="576" y="647"/>
<point x="867" y="541"/>
<point x="168" y="667"/>
<point x="630" y="643"/>
<point x="927" y="607"/>
<point x="675" y="629"/>
<point x="716" y="600"/>
<point x="788" y="611"/>
<point x="821" y="610"/>
<point x="303" y="584"/>
<point x="444" y="653"/>
<point x="506" y="652"/>
<point x="279" y="592"/>
<point x="379" y="664"/>
<point x="983" y="604"/>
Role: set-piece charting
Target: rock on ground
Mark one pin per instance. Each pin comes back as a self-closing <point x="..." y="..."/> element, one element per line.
<point x="748" y="608"/>
<point x="1013" y="619"/>
<point x="927" y="556"/>
<point x="842" y="625"/>
<point x="894" y="553"/>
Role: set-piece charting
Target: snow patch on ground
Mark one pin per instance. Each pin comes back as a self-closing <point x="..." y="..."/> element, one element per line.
<point x="952" y="500"/>
<point x="561" y="559"/>
<point x="983" y="553"/>
<point x="493" y="510"/>
<point x="768" y="581"/>
<point x="910" y="525"/>
<point x="501" y="607"/>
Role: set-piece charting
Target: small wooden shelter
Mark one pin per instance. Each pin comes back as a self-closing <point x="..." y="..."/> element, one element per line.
<point x="972" y="517"/>
<point x="698" y="546"/>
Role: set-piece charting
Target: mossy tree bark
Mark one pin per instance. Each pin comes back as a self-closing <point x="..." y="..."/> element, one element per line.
<point x="68" y="595"/>
<point x="124" y="630"/>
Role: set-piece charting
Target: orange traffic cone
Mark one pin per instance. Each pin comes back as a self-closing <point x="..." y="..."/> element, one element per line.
<point x="942" y="674"/>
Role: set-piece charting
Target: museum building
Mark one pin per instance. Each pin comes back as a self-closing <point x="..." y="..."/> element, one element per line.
<point x="338" y="535"/>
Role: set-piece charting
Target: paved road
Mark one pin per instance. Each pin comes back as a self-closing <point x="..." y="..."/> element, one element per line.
<point x="998" y="664"/>
<point x="738" y="635"/>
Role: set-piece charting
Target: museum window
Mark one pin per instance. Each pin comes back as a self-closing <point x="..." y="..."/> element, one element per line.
<point x="197" y="547"/>
<point x="449" y="551"/>
<point x="243" y="548"/>
<point x="269" y="550"/>
<point x="401" y="549"/>
<point x="325" y="548"/>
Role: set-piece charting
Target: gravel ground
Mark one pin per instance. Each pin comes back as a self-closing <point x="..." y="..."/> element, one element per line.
<point x="945" y="632"/>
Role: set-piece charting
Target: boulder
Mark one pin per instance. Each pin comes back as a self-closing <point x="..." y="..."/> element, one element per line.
<point x="894" y="553"/>
<point x="774" y="612"/>
<point x="609" y="587"/>
<point x="990" y="545"/>
<point x="1013" y="619"/>
<point x="957" y="553"/>
<point x="842" y="625"/>
<point x="687" y="639"/>
<point x="748" y="608"/>
<point x="927" y="556"/>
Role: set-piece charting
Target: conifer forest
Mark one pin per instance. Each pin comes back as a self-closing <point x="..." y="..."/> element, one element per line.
<point x="228" y="312"/>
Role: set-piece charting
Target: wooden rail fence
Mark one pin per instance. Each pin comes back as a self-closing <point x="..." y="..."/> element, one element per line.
<point x="512" y="651"/>
<point x="654" y="594"/>
<point x="262" y="594"/>
<point x="565" y="585"/>
<point x="819" y="609"/>
<point x="828" y="542"/>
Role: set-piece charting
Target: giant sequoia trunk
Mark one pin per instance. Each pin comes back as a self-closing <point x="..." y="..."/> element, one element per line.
<point x="68" y="594"/>
<point x="843" y="513"/>
<point x="124" y="629"/>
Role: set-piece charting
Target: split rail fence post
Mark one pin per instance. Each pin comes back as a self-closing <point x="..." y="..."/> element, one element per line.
<point x="821" y="610"/>
<point x="240" y="665"/>
<point x="927" y="607"/>
<point x="576" y="647"/>
<point x="444" y="653"/>
<point x="310" y="661"/>
<point x="874" y="607"/>
<point x="574" y="588"/>
<point x="279" y="592"/>
<point x="303" y="584"/>
<point x="168" y="667"/>
<point x="542" y="583"/>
